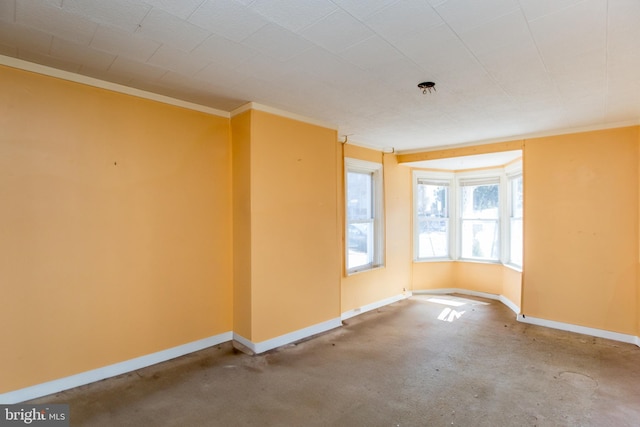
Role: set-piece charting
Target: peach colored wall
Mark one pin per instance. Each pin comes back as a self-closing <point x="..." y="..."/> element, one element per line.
<point x="512" y="285"/>
<point x="433" y="275"/>
<point x="115" y="225"/>
<point x="241" y="165"/>
<point x="295" y="265"/>
<point x="479" y="277"/>
<point x="581" y="229"/>
<point x="395" y="277"/>
<point x="472" y="276"/>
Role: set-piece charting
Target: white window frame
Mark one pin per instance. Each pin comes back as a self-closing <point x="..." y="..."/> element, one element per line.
<point x="503" y="176"/>
<point x="490" y="176"/>
<point x="512" y="171"/>
<point x="376" y="170"/>
<point x="436" y="177"/>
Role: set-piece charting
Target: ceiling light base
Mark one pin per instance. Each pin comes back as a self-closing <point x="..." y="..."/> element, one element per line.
<point x="427" y="86"/>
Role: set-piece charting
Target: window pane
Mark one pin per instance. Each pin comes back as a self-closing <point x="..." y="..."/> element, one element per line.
<point x="359" y="196"/>
<point x="432" y="200"/>
<point x="480" y="201"/>
<point x="433" y="220"/>
<point x="360" y="219"/>
<point x="480" y="239"/>
<point x="515" y="229"/>
<point x="516" y="197"/>
<point x="433" y="238"/>
<point x="516" y="242"/>
<point x="360" y="242"/>
<point x="480" y="227"/>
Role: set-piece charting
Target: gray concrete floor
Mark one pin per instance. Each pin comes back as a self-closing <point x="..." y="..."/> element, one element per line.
<point x="396" y="366"/>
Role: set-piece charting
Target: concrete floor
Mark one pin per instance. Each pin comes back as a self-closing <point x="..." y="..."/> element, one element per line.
<point x="397" y="366"/>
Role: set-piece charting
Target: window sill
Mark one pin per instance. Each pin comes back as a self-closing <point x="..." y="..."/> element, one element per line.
<point x="433" y="260"/>
<point x="480" y="261"/>
<point x="473" y="261"/>
<point x="363" y="270"/>
<point x="513" y="267"/>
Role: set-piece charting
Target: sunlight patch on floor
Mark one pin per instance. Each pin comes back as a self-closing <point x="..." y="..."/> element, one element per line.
<point x="449" y="315"/>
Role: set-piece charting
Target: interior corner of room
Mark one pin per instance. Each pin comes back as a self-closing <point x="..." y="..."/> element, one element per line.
<point x="128" y="239"/>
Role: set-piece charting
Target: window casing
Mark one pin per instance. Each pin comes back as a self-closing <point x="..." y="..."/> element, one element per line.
<point x="432" y="214"/>
<point x="480" y="219"/>
<point x="364" y="223"/>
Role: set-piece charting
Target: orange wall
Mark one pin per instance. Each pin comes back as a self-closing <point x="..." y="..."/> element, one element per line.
<point x="115" y="225"/>
<point x="472" y="276"/>
<point x="241" y="165"/>
<point x="369" y="287"/>
<point x="434" y="275"/>
<point x="512" y="285"/>
<point x="295" y="264"/>
<point x="581" y="229"/>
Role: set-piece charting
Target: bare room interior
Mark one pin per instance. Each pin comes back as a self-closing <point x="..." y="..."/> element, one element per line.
<point x="420" y="212"/>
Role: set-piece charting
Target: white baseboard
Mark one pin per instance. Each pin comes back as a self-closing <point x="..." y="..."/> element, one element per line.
<point x="506" y="301"/>
<point x="289" y="338"/>
<point x="512" y="305"/>
<point x="94" y="375"/>
<point x="615" y="336"/>
<point x="601" y="333"/>
<point x="356" y="311"/>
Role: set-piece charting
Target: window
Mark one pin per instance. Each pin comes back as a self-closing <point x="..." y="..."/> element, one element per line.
<point x="515" y="220"/>
<point x="432" y="218"/>
<point x="364" y="226"/>
<point x="480" y="219"/>
<point x="469" y="215"/>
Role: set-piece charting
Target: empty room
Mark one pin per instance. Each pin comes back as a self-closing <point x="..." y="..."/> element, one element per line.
<point x="329" y="212"/>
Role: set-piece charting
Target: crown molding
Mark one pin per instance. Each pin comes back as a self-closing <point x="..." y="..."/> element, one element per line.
<point x="114" y="87"/>
<point x="282" y="113"/>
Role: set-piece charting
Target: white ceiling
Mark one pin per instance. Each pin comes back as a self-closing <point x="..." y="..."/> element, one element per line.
<point x="503" y="68"/>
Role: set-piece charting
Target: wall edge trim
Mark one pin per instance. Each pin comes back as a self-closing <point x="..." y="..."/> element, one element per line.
<point x="103" y="84"/>
<point x="87" y="377"/>
<point x="282" y="113"/>
<point x="585" y="330"/>
<point x="512" y="305"/>
<point x="288" y="338"/>
<point x="374" y="305"/>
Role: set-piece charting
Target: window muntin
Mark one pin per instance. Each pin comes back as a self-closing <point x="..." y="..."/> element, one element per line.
<point x="364" y="226"/>
<point x="432" y="219"/>
<point x="480" y="220"/>
<point x="515" y="220"/>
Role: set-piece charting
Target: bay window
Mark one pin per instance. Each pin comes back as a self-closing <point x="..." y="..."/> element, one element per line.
<point x="469" y="215"/>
